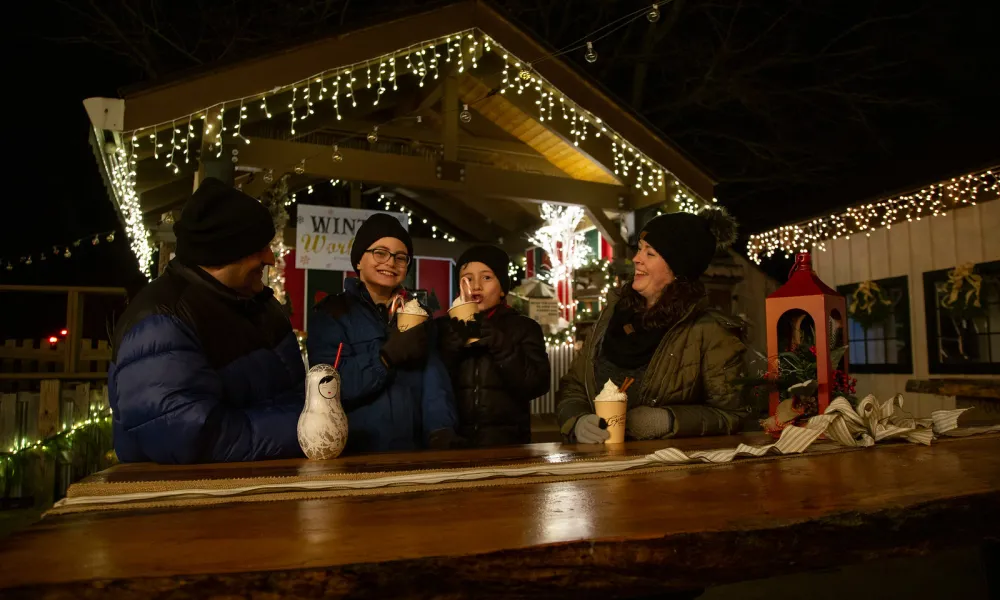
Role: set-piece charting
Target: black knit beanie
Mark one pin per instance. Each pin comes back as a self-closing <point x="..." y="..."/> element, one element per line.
<point x="494" y="258"/>
<point x="220" y="225"/>
<point x="376" y="227"/>
<point x="688" y="241"/>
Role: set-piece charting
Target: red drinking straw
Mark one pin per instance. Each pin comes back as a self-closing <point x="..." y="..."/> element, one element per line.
<point x="340" y="349"/>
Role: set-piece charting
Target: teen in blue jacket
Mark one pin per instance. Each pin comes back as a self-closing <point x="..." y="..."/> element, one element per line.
<point x="395" y="390"/>
<point x="206" y="367"/>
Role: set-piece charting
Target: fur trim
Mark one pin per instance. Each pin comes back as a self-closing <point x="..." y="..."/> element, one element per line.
<point x="722" y="225"/>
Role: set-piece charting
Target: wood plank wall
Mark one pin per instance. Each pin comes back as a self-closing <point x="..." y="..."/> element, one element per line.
<point x="970" y="234"/>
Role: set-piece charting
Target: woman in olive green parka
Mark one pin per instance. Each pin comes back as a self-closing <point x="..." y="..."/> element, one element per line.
<point x="685" y="358"/>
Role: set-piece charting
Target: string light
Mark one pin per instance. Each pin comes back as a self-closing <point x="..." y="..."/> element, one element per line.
<point x="421" y="61"/>
<point x="24" y="445"/>
<point x="62" y="249"/>
<point x="565" y="246"/>
<point x="934" y="200"/>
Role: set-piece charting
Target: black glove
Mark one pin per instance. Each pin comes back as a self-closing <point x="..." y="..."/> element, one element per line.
<point x="490" y="333"/>
<point x="475" y="326"/>
<point x="453" y="334"/>
<point x="406" y="348"/>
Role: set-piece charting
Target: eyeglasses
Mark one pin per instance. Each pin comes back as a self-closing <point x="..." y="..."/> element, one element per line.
<point x="382" y="256"/>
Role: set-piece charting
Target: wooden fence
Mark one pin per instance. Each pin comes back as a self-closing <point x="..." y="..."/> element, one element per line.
<point x="71" y="357"/>
<point x="41" y="358"/>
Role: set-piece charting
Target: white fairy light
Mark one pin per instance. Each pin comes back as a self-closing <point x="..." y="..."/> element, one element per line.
<point x="566" y="248"/>
<point x="423" y="58"/>
<point x="934" y="200"/>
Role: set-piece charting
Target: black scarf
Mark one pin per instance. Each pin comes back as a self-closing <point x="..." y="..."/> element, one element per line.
<point x="628" y="344"/>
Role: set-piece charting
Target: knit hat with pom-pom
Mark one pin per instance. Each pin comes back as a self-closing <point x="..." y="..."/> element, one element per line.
<point x="689" y="241"/>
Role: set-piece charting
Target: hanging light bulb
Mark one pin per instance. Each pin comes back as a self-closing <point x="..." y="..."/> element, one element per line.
<point x="28" y="262"/>
<point x="373" y="135"/>
<point x="269" y="176"/>
<point x="654" y="13"/>
<point x="591" y="55"/>
<point x="465" y="116"/>
<point x="95" y="241"/>
<point x="525" y="74"/>
<point x="55" y="251"/>
<point x="301" y="167"/>
<point x="111" y="237"/>
<point x="42" y="257"/>
<point x="67" y="253"/>
<point x="337" y="156"/>
<point x="10" y="266"/>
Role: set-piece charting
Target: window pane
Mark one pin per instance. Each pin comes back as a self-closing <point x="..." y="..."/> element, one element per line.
<point x="876" y="352"/>
<point x="994" y="318"/>
<point x="857" y="351"/>
<point x="858" y="332"/>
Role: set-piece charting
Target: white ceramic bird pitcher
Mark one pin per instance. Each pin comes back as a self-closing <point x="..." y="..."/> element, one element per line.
<point x="322" y="426"/>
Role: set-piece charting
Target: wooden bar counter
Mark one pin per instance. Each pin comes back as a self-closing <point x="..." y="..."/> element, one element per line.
<point x="629" y="535"/>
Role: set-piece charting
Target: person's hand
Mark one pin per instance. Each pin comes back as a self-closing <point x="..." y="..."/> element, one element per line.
<point x="475" y="326"/>
<point x="446" y="439"/>
<point x="591" y="429"/>
<point x="648" y="423"/>
<point x="406" y="348"/>
<point x="454" y="334"/>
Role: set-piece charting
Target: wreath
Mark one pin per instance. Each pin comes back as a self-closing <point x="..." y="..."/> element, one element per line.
<point x="959" y="295"/>
<point x="869" y="306"/>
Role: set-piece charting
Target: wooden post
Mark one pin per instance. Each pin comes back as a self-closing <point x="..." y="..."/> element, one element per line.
<point x="48" y="408"/>
<point x="74" y="310"/>
<point x="355" y="194"/>
<point x="43" y="485"/>
<point x="449" y="116"/>
<point x="81" y="402"/>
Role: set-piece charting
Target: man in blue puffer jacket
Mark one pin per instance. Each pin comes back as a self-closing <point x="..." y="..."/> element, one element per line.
<point x="395" y="389"/>
<point x="206" y="367"/>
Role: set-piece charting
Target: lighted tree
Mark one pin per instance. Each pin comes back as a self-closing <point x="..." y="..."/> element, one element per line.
<point x="566" y="248"/>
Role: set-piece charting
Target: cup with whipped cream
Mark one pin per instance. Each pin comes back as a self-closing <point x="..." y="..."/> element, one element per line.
<point x="611" y="405"/>
<point x="410" y="315"/>
<point x="464" y="308"/>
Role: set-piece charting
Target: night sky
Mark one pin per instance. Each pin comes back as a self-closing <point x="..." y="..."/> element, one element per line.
<point x="943" y="59"/>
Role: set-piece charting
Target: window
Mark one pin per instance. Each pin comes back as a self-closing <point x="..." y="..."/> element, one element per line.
<point x="969" y="343"/>
<point x="885" y="346"/>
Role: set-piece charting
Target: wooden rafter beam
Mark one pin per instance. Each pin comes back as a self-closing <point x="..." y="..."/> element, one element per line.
<point x="419" y="173"/>
<point x="457" y="214"/>
<point x="508" y="215"/>
<point x="608" y="229"/>
<point x="159" y="199"/>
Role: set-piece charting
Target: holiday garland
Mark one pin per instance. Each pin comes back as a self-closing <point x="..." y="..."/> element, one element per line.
<point x="86" y="444"/>
<point x="275" y="200"/>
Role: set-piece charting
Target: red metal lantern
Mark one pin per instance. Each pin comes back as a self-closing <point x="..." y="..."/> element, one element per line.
<point x="806" y="292"/>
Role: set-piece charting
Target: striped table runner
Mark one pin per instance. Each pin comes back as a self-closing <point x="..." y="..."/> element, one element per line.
<point x="872" y="422"/>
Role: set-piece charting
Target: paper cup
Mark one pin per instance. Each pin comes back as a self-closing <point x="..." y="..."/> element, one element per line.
<point x="465" y="312"/>
<point x="614" y="413"/>
<point x="406" y="321"/>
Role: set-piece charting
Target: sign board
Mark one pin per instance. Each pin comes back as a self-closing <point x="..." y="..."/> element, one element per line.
<point x="545" y="311"/>
<point x="324" y="235"/>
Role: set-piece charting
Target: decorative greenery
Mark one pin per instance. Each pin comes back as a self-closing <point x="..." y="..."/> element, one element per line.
<point x="797" y="366"/>
<point x="275" y="200"/>
<point x="87" y="446"/>
<point x="868" y="305"/>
